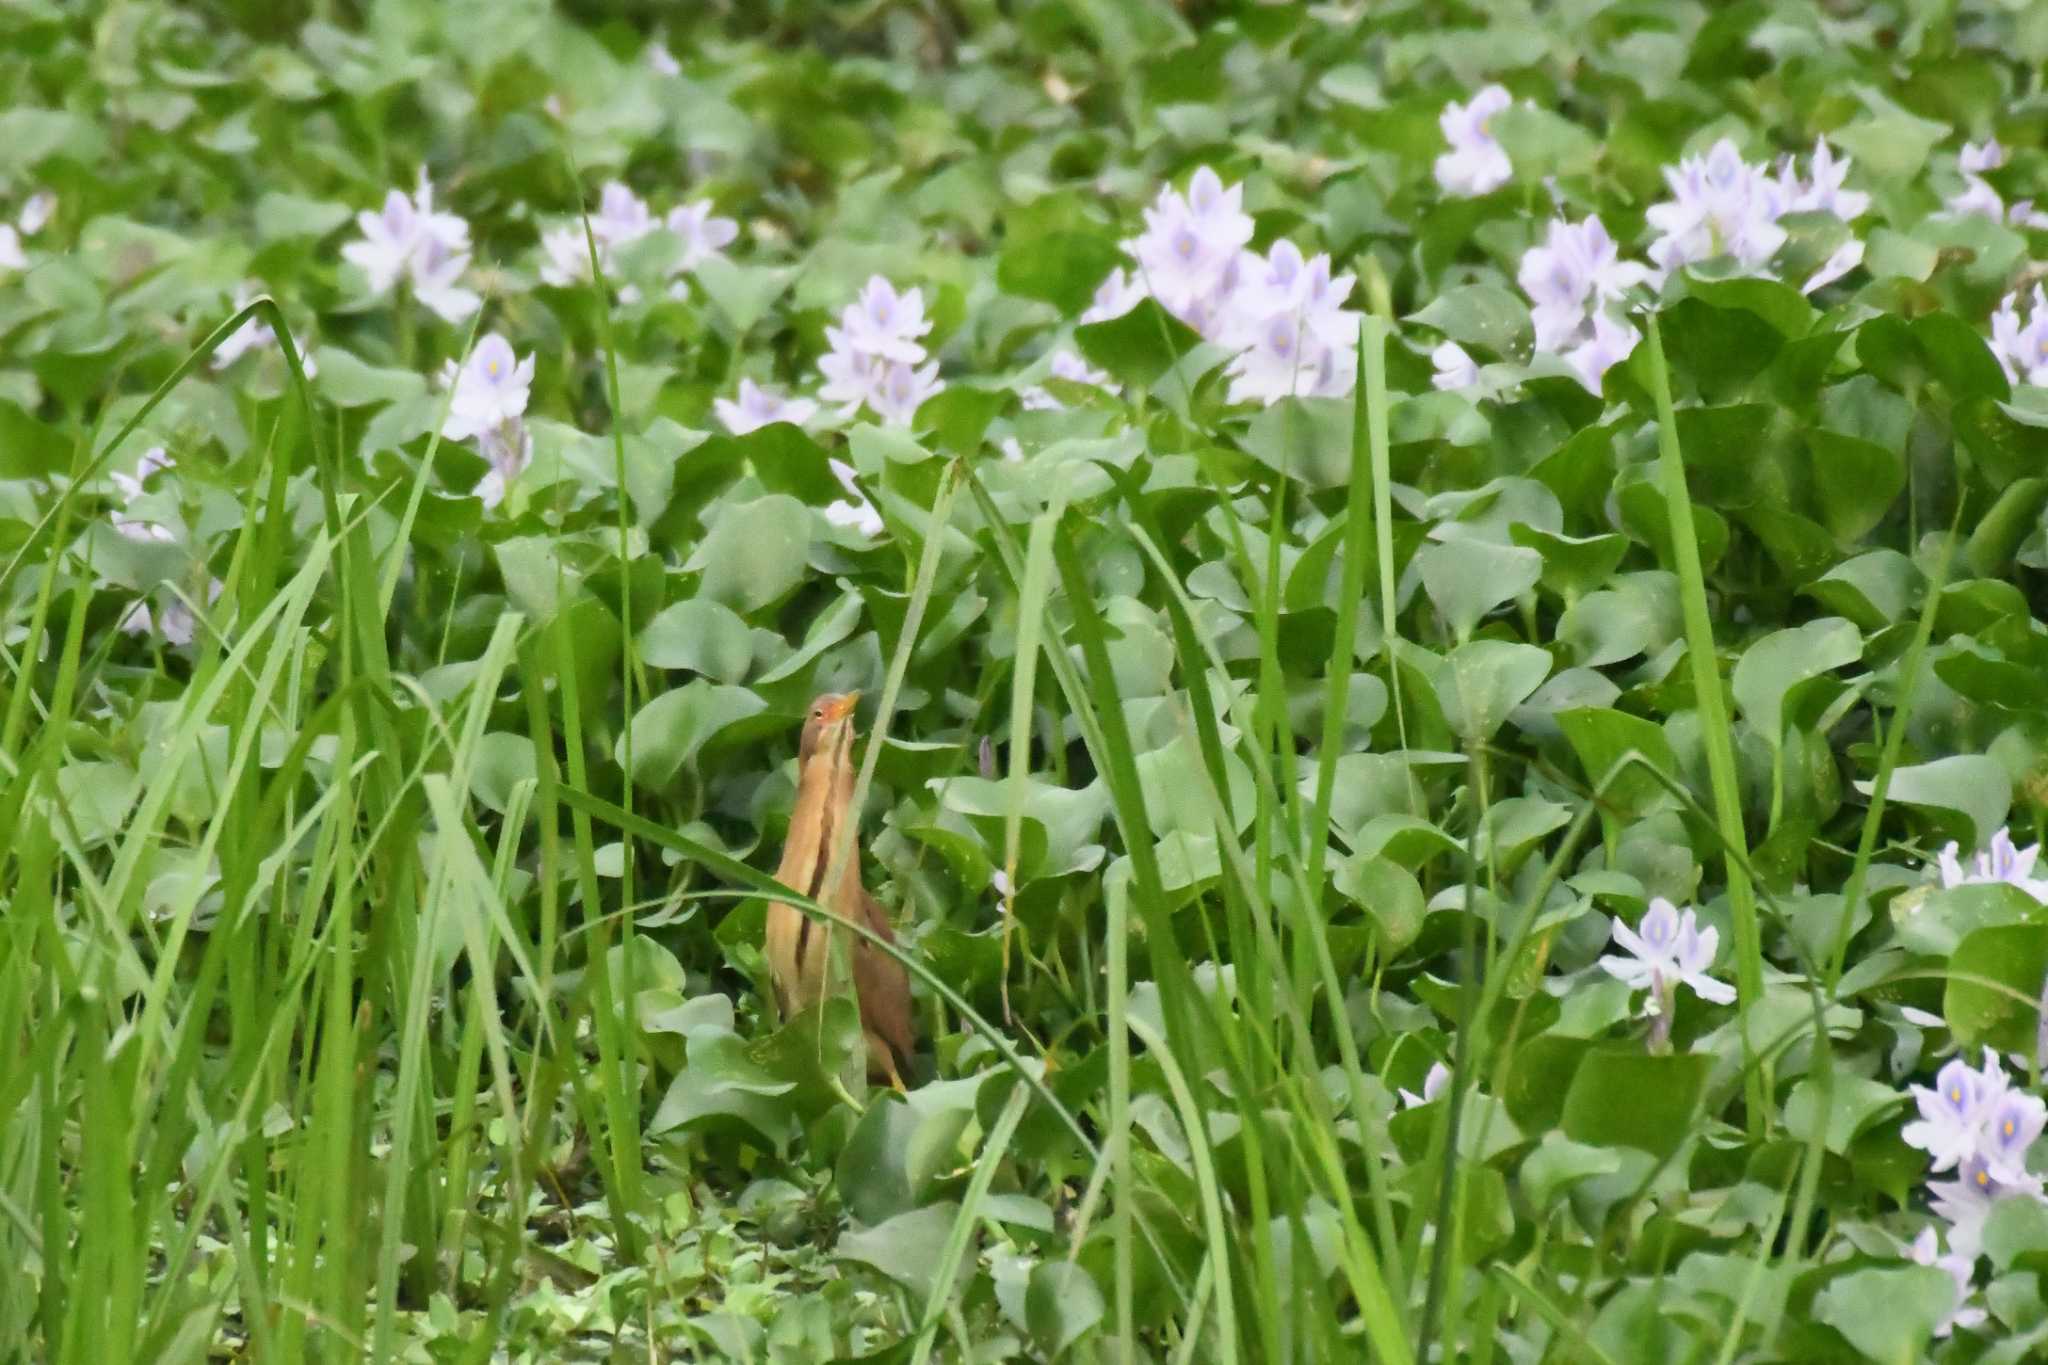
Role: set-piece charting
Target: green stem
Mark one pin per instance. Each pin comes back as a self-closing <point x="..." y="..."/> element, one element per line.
<point x="1717" y="734"/>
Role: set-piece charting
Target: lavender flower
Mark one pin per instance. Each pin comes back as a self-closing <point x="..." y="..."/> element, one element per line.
<point x="1966" y="1202"/>
<point x="36" y="212"/>
<point x="1286" y="317"/>
<point x="1188" y="254"/>
<point x="2022" y="349"/>
<point x="1926" y="1250"/>
<point x="1574" y="280"/>
<point x="1432" y="1086"/>
<point x="175" y="621"/>
<point x="703" y="234"/>
<point x="1955" y="1112"/>
<point x="1721" y="205"/>
<point x="883" y="323"/>
<point x="2011" y="1126"/>
<point x="1070" y="367"/>
<point x="1117" y="295"/>
<point x="855" y="512"/>
<point x="876" y="360"/>
<point x="1978" y="199"/>
<point x="1455" y="368"/>
<point x="1476" y="164"/>
<point x="1669" y="950"/>
<point x="409" y="239"/>
<point x="2002" y="862"/>
<point x="12" y="257"/>
<point x="491" y="391"/>
<point x="758" y="407"/>
<point x="130" y="486"/>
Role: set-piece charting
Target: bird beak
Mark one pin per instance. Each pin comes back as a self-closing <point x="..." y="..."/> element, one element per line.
<point x="840" y="709"/>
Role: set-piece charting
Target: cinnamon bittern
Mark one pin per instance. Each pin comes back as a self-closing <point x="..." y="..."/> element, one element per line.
<point x="798" y="947"/>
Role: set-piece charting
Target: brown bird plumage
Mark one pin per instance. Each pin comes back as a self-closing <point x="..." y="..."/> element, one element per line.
<point x="798" y="947"/>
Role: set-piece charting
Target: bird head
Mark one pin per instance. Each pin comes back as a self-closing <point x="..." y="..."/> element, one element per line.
<point x="828" y="725"/>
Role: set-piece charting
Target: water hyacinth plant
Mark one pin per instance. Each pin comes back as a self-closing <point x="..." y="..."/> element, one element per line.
<point x="1430" y="623"/>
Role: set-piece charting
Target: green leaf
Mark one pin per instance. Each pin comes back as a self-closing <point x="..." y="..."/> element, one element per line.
<point x="783" y="456"/>
<point x="1063" y="269"/>
<point x="1304" y="438"/>
<point x="755" y="552"/>
<point x="1062" y="1305"/>
<point x="960" y="415"/>
<point x="1859" y="480"/>
<point x="700" y="635"/>
<point x="1389" y="895"/>
<point x="280" y="214"/>
<point x="1887" y="1313"/>
<point x="1960" y="356"/>
<point x="1488" y="315"/>
<point x="1138" y="347"/>
<point x="503" y="760"/>
<point x="1970" y="793"/>
<point x="1890" y="142"/>
<point x="741" y="293"/>
<point x="898" y="1151"/>
<point x="907" y="1248"/>
<point x="1623" y="1097"/>
<point x="1558" y="1163"/>
<point x="1858" y="1102"/>
<point x="2015" y="1228"/>
<point x="668" y="731"/>
<point x="1478" y="683"/>
<point x="1782" y="306"/>
<point x="1541" y="143"/>
<point x="1572" y="565"/>
<point x="1994" y="987"/>
<point x="347" y="382"/>
<point x="1934" y="920"/>
<point x="30" y="136"/>
<point x="1467" y="578"/>
<point x="2012" y="519"/>
<point x="1874" y="590"/>
<point x="1780" y="661"/>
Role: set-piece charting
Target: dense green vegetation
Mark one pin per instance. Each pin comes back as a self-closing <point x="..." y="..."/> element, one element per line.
<point x="1449" y="600"/>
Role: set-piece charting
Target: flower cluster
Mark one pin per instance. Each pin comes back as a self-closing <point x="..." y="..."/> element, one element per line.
<point x="1665" y="951"/>
<point x="1721" y="205"/>
<point x="1973" y="1122"/>
<point x="1281" y="312"/>
<point x="487" y="406"/>
<point x="2022" y="348"/>
<point x="35" y="215"/>
<point x="1476" y="164"/>
<point x="1978" y="199"/>
<point x="877" y="359"/>
<point x="411" y="240"/>
<point x="2004" y="862"/>
<point x="1575" y="282"/>
<point x="622" y="218"/>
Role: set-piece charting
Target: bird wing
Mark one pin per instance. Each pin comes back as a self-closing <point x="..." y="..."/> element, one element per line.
<point x="883" y="984"/>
